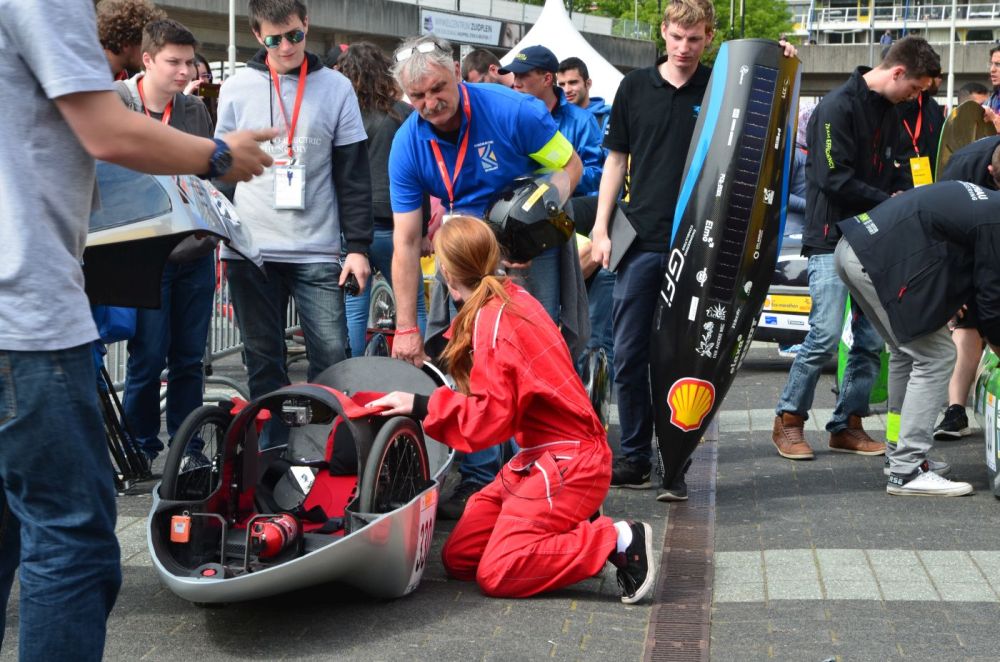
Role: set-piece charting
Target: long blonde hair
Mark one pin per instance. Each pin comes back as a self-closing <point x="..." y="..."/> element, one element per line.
<point x="469" y="252"/>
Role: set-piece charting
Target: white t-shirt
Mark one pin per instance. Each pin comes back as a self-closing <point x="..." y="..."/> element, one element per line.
<point x="46" y="177"/>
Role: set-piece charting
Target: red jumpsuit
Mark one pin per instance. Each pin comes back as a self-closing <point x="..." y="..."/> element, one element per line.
<point x="528" y="531"/>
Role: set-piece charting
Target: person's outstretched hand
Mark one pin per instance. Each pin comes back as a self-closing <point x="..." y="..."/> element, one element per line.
<point x="398" y="403"/>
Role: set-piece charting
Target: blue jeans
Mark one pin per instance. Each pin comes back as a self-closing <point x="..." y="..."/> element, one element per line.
<point x="173" y="336"/>
<point x="829" y="296"/>
<point x="637" y="287"/>
<point x="261" y="302"/>
<point x="541" y="279"/>
<point x="58" y="504"/>
<point x="357" y="307"/>
<point x="600" y="297"/>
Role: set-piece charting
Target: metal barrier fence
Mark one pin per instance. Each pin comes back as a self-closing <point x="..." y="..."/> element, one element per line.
<point x="223" y="338"/>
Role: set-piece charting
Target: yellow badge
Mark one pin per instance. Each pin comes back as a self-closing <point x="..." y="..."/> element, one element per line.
<point x="920" y="168"/>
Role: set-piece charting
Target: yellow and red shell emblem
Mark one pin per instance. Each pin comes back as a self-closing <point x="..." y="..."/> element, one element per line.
<point x="690" y="400"/>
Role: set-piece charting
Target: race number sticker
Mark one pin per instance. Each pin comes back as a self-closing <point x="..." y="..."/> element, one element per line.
<point x="990" y="432"/>
<point x="425" y="535"/>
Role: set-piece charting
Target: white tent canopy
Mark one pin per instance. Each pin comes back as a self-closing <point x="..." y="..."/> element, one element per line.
<point x="556" y="31"/>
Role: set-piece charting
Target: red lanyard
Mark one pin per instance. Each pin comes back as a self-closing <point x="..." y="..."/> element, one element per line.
<point x="920" y="119"/>
<point x="166" y="111"/>
<point x="449" y="182"/>
<point x="303" y="71"/>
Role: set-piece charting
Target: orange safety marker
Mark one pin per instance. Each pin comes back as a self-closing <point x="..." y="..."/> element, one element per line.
<point x="180" y="528"/>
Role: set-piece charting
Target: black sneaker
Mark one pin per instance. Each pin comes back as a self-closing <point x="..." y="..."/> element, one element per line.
<point x="954" y="425"/>
<point x="636" y="567"/>
<point x="678" y="489"/>
<point x="631" y="474"/>
<point x="453" y="508"/>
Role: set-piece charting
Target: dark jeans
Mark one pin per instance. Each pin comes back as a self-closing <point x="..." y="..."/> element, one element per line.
<point x="173" y="336"/>
<point x="637" y="286"/>
<point x="58" y="504"/>
<point x="261" y="303"/>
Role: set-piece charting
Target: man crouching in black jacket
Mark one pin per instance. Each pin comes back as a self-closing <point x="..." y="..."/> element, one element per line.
<point x="848" y="171"/>
<point x="910" y="263"/>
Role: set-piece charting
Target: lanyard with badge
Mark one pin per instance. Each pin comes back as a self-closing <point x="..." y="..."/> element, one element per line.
<point x="920" y="166"/>
<point x="289" y="176"/>
<point x="166" y="111"/>
<point x="450" y="181"/>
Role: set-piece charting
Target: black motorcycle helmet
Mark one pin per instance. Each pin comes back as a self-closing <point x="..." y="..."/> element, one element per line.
<point x="528" y="218"/>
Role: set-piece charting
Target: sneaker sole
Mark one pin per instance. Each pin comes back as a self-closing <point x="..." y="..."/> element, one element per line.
<point x="954" y="492"/>
<point x="647" y="584"/>
<point x="948" y="435"/>
<point x="854" y="452"/>
<point x="668" y="497"/>
<point x="635" y="486"/>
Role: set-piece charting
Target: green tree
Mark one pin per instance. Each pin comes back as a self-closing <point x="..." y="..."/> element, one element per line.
<point x="764" y="19"/>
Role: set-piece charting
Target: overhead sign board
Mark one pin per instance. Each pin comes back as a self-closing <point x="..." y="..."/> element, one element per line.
<point x="459" y="28"/>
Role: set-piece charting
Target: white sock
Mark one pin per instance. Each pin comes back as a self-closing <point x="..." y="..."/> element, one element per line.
<point x="624" y="535"/>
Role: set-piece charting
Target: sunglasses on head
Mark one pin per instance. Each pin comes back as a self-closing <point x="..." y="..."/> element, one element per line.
<point x="293" y="37"/>
<point x="404" y="54"/>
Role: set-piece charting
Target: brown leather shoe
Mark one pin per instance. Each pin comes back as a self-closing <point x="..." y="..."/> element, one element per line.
<point x="789" y="438"/>
<point x="854" y="439"/>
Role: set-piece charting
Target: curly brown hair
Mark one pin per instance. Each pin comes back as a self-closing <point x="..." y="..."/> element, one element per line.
<point x="367" y="67"/>
<point x="120" y="22"/>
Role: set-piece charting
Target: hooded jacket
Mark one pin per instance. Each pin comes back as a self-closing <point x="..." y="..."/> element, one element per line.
<point x="600" y="110"/>
<point x="329" y="141"/>
<point x="928" y="252"/>
<point x="188" y="113"/>
<point x="849" y="166"/>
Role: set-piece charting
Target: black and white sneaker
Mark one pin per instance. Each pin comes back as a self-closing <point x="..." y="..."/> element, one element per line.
<point x="925" y="483"/>
<point x="631" y="474"/>
<point x="954" y="425"/>
<point x="636" y="567"/>
<point x="676" y="490"/>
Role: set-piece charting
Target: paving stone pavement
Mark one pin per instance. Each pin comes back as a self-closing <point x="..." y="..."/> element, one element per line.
<point x="813" y="562"/>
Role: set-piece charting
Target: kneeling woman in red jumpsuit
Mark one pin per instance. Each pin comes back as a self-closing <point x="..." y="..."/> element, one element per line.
<point x="530" y="530"/>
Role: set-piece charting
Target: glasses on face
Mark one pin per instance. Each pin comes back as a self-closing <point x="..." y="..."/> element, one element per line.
<point x="293" y="37"/>
<point x="425" y="47"/>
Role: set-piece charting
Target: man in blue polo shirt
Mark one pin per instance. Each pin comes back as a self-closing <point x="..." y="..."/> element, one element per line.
<point x="464" y="144"/>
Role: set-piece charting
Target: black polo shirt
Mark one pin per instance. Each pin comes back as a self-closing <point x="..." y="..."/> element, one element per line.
<point x="969" y="163"/>
<point x="653" y="122"/>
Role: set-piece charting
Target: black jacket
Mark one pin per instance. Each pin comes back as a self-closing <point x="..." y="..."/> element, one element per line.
<point x="928" y="252"/>
<point x="849" y="166"/>
<point x="970" y="164"/>
<point x="920" y="124"/>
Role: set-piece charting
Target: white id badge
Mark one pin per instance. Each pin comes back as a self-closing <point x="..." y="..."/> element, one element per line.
<point x="290" y="187"/>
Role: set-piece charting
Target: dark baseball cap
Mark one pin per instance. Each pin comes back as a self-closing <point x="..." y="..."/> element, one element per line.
<point x="532" y="57"/>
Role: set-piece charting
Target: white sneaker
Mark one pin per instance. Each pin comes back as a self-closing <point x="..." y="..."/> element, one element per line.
<point x="940" y="467"/>
<point x="926" y="483"/>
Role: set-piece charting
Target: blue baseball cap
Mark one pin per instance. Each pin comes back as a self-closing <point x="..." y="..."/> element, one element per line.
<point x="531" y="58"/>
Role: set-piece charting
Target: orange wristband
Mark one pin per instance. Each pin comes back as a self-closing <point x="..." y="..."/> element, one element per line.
<point x="407" y="331"/>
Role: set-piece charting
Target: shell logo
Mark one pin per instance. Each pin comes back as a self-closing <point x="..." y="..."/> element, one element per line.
<point x="690" y="400"/>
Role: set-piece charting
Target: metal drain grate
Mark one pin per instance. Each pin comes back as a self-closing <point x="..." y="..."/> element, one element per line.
<point x="680" y="621"/>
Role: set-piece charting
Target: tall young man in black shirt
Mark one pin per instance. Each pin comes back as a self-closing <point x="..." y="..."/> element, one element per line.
<point x="652" y="121"/>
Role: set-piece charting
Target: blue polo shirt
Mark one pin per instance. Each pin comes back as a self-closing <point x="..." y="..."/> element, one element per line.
<point x="581" y="130"/>
<point x="511" y="134"/>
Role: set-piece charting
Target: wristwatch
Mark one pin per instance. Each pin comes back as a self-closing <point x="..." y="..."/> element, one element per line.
<point x="221" y="161"/>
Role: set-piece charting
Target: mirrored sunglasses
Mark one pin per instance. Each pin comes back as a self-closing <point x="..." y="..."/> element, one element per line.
<point x="293" y="37"/>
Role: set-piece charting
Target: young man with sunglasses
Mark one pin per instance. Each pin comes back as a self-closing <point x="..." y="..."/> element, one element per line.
<point x="318" y="190"/>
<point x="173" y="335"/>
<point x="464" y="145"/>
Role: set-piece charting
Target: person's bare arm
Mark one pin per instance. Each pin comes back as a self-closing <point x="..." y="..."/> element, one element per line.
<point x="612" y="180"/>
<point x="574" y="168"/>
<point x="406" y="242"/>
<point x="111" y="132"/>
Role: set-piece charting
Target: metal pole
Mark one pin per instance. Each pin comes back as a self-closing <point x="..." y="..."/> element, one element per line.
<point x="743" y="18"/>
<point x="232" y="37"/>
<point x="732" y="18"/>
<point x="951" y="56"/>
<point x="635" y="19"/>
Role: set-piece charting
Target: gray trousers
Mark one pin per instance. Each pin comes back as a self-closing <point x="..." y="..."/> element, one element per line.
<point x="919" y="370"/>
